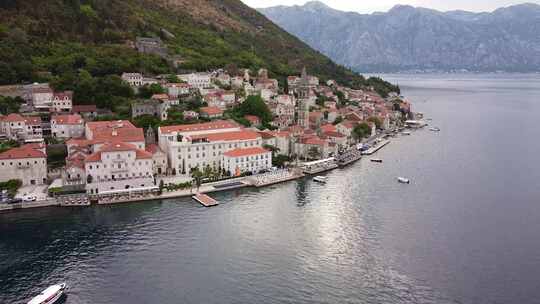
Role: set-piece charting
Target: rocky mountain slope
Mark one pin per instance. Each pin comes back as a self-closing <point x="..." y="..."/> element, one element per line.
<point x="406" y="37"/>
<point x="64" y="37"/>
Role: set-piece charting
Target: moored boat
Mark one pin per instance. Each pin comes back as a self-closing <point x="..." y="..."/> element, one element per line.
<point x="403" y="180"/>
<point x="50" y="295"/>
<point x="406" y="133"/>
<point x="434" y="129"/>
<point x="320" y="179"/>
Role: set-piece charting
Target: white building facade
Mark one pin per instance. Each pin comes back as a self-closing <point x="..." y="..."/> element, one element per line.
<point x="118" y="166"/>
<point x="243" y="160"/>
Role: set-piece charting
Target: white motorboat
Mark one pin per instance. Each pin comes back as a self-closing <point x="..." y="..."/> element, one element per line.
<point x="320" y="179"/>
<point x="406" y="133"/>
<point x="435" y="129"/>
<point x="403" y="180"/>
<point x="50" y="295"/>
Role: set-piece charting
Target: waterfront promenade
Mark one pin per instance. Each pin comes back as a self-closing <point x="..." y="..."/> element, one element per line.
<point x="260" y="180"/>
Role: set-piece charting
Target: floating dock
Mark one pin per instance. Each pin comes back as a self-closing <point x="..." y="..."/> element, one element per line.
<point x="205" y="200"/>
<point x="376" y="148"/>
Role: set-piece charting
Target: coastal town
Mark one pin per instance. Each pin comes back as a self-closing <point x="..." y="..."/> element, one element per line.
<point x="190" y="133"/>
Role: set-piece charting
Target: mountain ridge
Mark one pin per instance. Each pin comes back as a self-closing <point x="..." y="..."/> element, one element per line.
<point x="65" y="36"/>
<point x="413" y="38"/>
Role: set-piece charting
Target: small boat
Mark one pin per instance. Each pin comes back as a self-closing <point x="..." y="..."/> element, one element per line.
<point x="50" y="295"/>
<point x="435" y="129"/>
<point x="403" y="180"/>
<point x="320" y="179"/>
<point x="406" y="133"/>
<point x="376" y="160"/>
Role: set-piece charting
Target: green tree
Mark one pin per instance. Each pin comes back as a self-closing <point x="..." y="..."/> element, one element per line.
<point x="338" y="120"/>
<point x="146" y="121"/>
<point x="254" y="105"/>
<point x="361" y="131"/>
<point x="197" y="176"/>
<point x="10" y="105"/>
<point x="377" y="121"/>
<point x="147" y="91"/>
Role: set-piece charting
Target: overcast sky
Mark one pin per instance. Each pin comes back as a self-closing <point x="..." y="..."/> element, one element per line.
<point x="369" y="6"/>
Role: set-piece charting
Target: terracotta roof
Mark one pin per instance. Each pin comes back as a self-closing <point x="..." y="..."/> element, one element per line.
<point x="153" y="148"/>
<point x="84" y="108"/>
<point x="328" y="128"/>
<point x="211" y="110"/>
<point x="22" y="152"/>
<point x="245" y="152"/>
<point x="122" y="134"/>
<point x="118" y="147"/>
<point x="266" y="135"/>
<point x="62" y="95"/>
<point x="349" y="124"/>
<point x="37" y="90"/>
<point x="229" y="136"/>
<point x="79" y="142"/>
<point x="13" y="118"/>
<point x="252" y="119"/>
<point x="314" y="141"/>
<point x="73" y="119"/>
<point x="334" y="134"/>
<point x="281" y="133"/>
<point x="160" y="96"/>
<point x="94" y="125"/>
<point x="32" y="120"/>
<point x="214" y="125"/>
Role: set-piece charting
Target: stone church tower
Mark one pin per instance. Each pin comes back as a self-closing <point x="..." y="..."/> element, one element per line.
<point x="303" y="97"/>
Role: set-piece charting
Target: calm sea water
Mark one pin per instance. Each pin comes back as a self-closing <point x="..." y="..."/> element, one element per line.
<point x="464" y="231"/>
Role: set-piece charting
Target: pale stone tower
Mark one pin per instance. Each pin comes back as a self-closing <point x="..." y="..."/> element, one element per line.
<point x="303" y="96"/>
<point x="150" y="136"/>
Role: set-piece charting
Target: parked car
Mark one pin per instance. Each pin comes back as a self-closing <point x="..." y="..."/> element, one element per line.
<point x="29" y="198"/>
<point x="14" y="201"/>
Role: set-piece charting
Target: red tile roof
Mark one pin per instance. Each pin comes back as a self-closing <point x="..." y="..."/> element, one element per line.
<point x="13" y="118"/>
<point x="94" y="125"/>
<point x="73" y="119"/>
<point x="229" y="136"/>
<point x="22" y="152"/>
<point x="33" y="120"/>
<point x="314" y="141"/>
<point x="281" y="133"/>
<point x="211" y="111"/>
<point x="328" y="128"/>
<point x="214" y="125"/>
<point x="84" y="108"/>
<point x="253" y="119"/>
<point x="153" y="148"/>
<point x="118" y="147"/>
<point x="266" y="135"/>
<point x="245" y="152"/>
<point x="63" y="95"/>
<point x="125" y="135"/>
<point x="334" y="134"/>
<point x="160" y="96"/>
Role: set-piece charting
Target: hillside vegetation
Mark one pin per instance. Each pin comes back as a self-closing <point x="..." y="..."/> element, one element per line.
<point x="93" y="37"/>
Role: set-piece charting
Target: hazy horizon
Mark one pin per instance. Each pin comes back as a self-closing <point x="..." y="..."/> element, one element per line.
<point x="371" y="6"/>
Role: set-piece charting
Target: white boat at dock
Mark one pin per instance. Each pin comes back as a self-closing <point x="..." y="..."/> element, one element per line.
<point x="376" y="147"/>
<point x="320" y="179"/>
<point x="50" y="295"/>
<point x="403" y="180"/>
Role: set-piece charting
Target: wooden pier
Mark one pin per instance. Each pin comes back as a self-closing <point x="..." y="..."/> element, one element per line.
<point x="376" y="148"/>
<point x="205" y="200"/>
